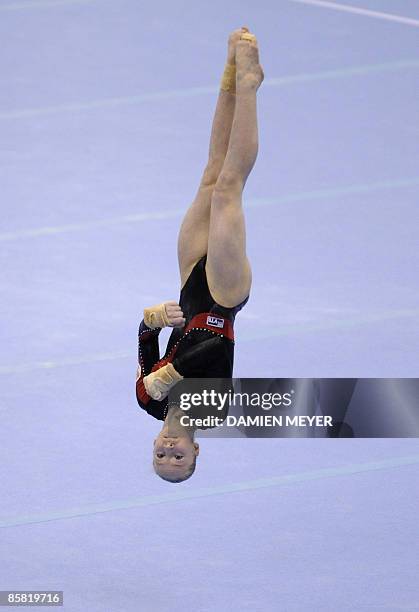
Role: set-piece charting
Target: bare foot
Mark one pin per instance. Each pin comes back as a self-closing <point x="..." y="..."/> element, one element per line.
<point x="249" y="71"/>
<point x="232" y="42"/>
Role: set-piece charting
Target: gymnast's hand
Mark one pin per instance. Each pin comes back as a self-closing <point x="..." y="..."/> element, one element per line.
<point x="167" y="314"/>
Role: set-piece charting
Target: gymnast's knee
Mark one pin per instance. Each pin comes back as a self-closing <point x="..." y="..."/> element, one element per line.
<point x="211" y="173"/>
<point x="229" y="184"/>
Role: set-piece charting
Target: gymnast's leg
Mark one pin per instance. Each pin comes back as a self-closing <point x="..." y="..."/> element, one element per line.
<point x="228" y="269"/>
<point x="193" y="235"/>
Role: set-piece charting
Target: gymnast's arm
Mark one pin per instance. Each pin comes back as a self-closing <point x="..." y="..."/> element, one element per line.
<point x="148" y="348"/>
<point x="148" y="355"/>
<point x="167" y="314"/>
<point x="155" y="318"/>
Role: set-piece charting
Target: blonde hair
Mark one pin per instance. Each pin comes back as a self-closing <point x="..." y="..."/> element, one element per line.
<point x="181" y="478"/>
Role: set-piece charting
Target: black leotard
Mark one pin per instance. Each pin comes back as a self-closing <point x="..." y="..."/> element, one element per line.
<point x="199" y="353"/>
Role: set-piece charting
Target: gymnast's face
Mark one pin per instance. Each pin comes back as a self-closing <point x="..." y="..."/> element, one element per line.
<point x="174" y="456"/>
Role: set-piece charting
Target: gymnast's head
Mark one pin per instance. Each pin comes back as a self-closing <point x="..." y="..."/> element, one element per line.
<point x="175" y="453"/>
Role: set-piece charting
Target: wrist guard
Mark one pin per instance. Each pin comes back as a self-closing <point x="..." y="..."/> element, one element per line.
<point x="156" y="316"/>
<point x="158" y="383"/>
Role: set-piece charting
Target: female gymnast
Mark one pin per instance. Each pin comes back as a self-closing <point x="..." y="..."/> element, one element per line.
<point x="215" y="273"/>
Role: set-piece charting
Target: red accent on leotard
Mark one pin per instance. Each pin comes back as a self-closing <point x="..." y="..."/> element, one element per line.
<point x="218" y="325"/>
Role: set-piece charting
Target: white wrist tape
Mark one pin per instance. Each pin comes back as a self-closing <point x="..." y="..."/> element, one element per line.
<point x="156" y="316"/>
<point x="158" y="383"/>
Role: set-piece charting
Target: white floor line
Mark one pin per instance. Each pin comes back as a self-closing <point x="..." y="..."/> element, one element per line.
<point x="18" y="6"/>
<point x="330" y="193"/>
<point x="27" y="113"/>
<point x="273" y="332"/>
<point x="235" y="487"/>
<point x="76" y="227"/>
<point x="21" y="368"/>
<point x="361" y="11"/>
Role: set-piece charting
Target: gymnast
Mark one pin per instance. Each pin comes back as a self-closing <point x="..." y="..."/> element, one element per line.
<point x="215" y="272"/>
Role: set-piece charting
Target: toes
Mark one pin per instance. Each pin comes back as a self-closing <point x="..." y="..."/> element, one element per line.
<point x="248" y="49"/>
<point x="246" y="35"/>
<point x="236" y="34"/>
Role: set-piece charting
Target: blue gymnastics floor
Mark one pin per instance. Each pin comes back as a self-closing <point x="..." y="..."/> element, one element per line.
<point x="105" y="116"/>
